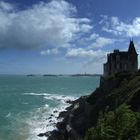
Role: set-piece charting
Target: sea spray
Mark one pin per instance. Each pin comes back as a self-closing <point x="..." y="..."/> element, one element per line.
<point x="44" y="119"/>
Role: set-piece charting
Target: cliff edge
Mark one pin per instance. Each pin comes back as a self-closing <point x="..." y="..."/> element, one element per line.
<point x="100" y="115"/>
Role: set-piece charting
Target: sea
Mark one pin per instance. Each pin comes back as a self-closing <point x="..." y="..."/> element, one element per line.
<point x="30" y="105"/>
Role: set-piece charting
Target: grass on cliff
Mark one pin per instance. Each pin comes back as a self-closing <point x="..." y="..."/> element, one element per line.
<point x="121" y="124"/>
<point x="121" y="118"/>
<point x="127" y="90"/>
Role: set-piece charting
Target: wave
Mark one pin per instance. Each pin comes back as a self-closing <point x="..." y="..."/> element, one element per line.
<point x="61" y="98"/>
<point x="8" y="115"/>
<point x="48" y="96"/>
<point x="37" y="94"/>
<point x="44" y="119"/>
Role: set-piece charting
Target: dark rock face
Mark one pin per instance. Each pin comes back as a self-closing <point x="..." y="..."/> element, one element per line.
<point x="58" y="135"/>
<point x="47" y="134"/>
<point x="73" y="125"/>
<point x="55" y="111"/>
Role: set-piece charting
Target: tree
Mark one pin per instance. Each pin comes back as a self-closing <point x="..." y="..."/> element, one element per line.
<point x="121" y="124"/>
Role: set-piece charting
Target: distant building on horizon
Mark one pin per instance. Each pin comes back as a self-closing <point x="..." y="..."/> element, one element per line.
<point x="122" y="61"/>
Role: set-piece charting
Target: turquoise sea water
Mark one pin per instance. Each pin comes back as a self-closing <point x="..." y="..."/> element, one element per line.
<point x="27" y="102"/>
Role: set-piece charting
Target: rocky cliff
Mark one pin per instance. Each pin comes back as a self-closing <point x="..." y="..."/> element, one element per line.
<point x="84" y="113"/>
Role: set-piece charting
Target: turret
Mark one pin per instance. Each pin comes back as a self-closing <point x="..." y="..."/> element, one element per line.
<point x="133" y="57"/>
<point x="131" y="48"/>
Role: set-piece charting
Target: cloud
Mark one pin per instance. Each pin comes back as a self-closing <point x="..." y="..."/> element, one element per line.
<point x="117" y="27"/>
<point x="44" y="25"/>
<point x="95" y="40"/>
<point x="81" y="52"/>
<point x="50" y="51"/>
<point x="93" y="36"/>
<point x="4" y="6"/>
<point x="101" y="42"/>
<point x="92" y="60"/>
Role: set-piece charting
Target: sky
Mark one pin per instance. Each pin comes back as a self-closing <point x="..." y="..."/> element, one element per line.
<point x="64" y="36"/>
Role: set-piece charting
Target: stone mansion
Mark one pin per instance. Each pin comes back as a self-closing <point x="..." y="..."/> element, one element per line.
<point x="121" y="61"/>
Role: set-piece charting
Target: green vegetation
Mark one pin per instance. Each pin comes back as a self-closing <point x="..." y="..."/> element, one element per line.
<point x="121" y="124"/>
<point x="126" y="91"/>
<point x="117" y="101"/>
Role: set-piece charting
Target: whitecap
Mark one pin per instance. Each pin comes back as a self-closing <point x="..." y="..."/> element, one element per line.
<point x="61" y="98"/>
<point x="46" y="105"/>
<point x="48" y="96"/>
<point x="46" y="117"/>
<point x="36" y="94"/>
<point x="8" y="115"/>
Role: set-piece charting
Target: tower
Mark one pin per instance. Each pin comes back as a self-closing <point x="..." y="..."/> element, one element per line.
<point x="132" y="57"/>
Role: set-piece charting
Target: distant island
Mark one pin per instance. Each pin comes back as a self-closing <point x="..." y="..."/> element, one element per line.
<point x="59" y="75"/>
<point x="30" y="75"/>
<point x="51" y="75"/>
<point x="86" y="75"/>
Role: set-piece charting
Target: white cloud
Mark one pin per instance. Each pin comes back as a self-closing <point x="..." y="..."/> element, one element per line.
<point x="117" y="27"/>
<point x="93" y="60"/>
<point x="95" y="40"/>
<point x="6" y="6"/>
<point x="81" y="52"/>
<point x="100" y="42"/>
<point x="43" y="25"/>
<point x="103" y="20"/>
<point x="86" y="27"/>
<point x="93" y="36"/>
<point x="50" y="51"/>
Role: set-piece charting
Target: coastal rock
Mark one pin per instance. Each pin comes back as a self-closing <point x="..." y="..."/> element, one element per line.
<point x="46" y="134"/>
<point x="63" y="114"/>
<point x="69" y="101"/>
<point x="55" y="111"/>
<point x="52" y="115"/>
<point x="70" y="127"/>
<point x="57" y="135"/>
<point x="49" y="118"/>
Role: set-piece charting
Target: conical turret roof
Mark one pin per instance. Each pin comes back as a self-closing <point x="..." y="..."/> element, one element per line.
<point x="131" y="48"/>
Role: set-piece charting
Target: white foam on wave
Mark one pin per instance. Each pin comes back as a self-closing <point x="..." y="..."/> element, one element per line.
<point x="61" y="98"/>
<point x="37" y="94"/>
<point x="45" y="118"/>
<point x="8" y="115"/>
<point x="52" y="96"/>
